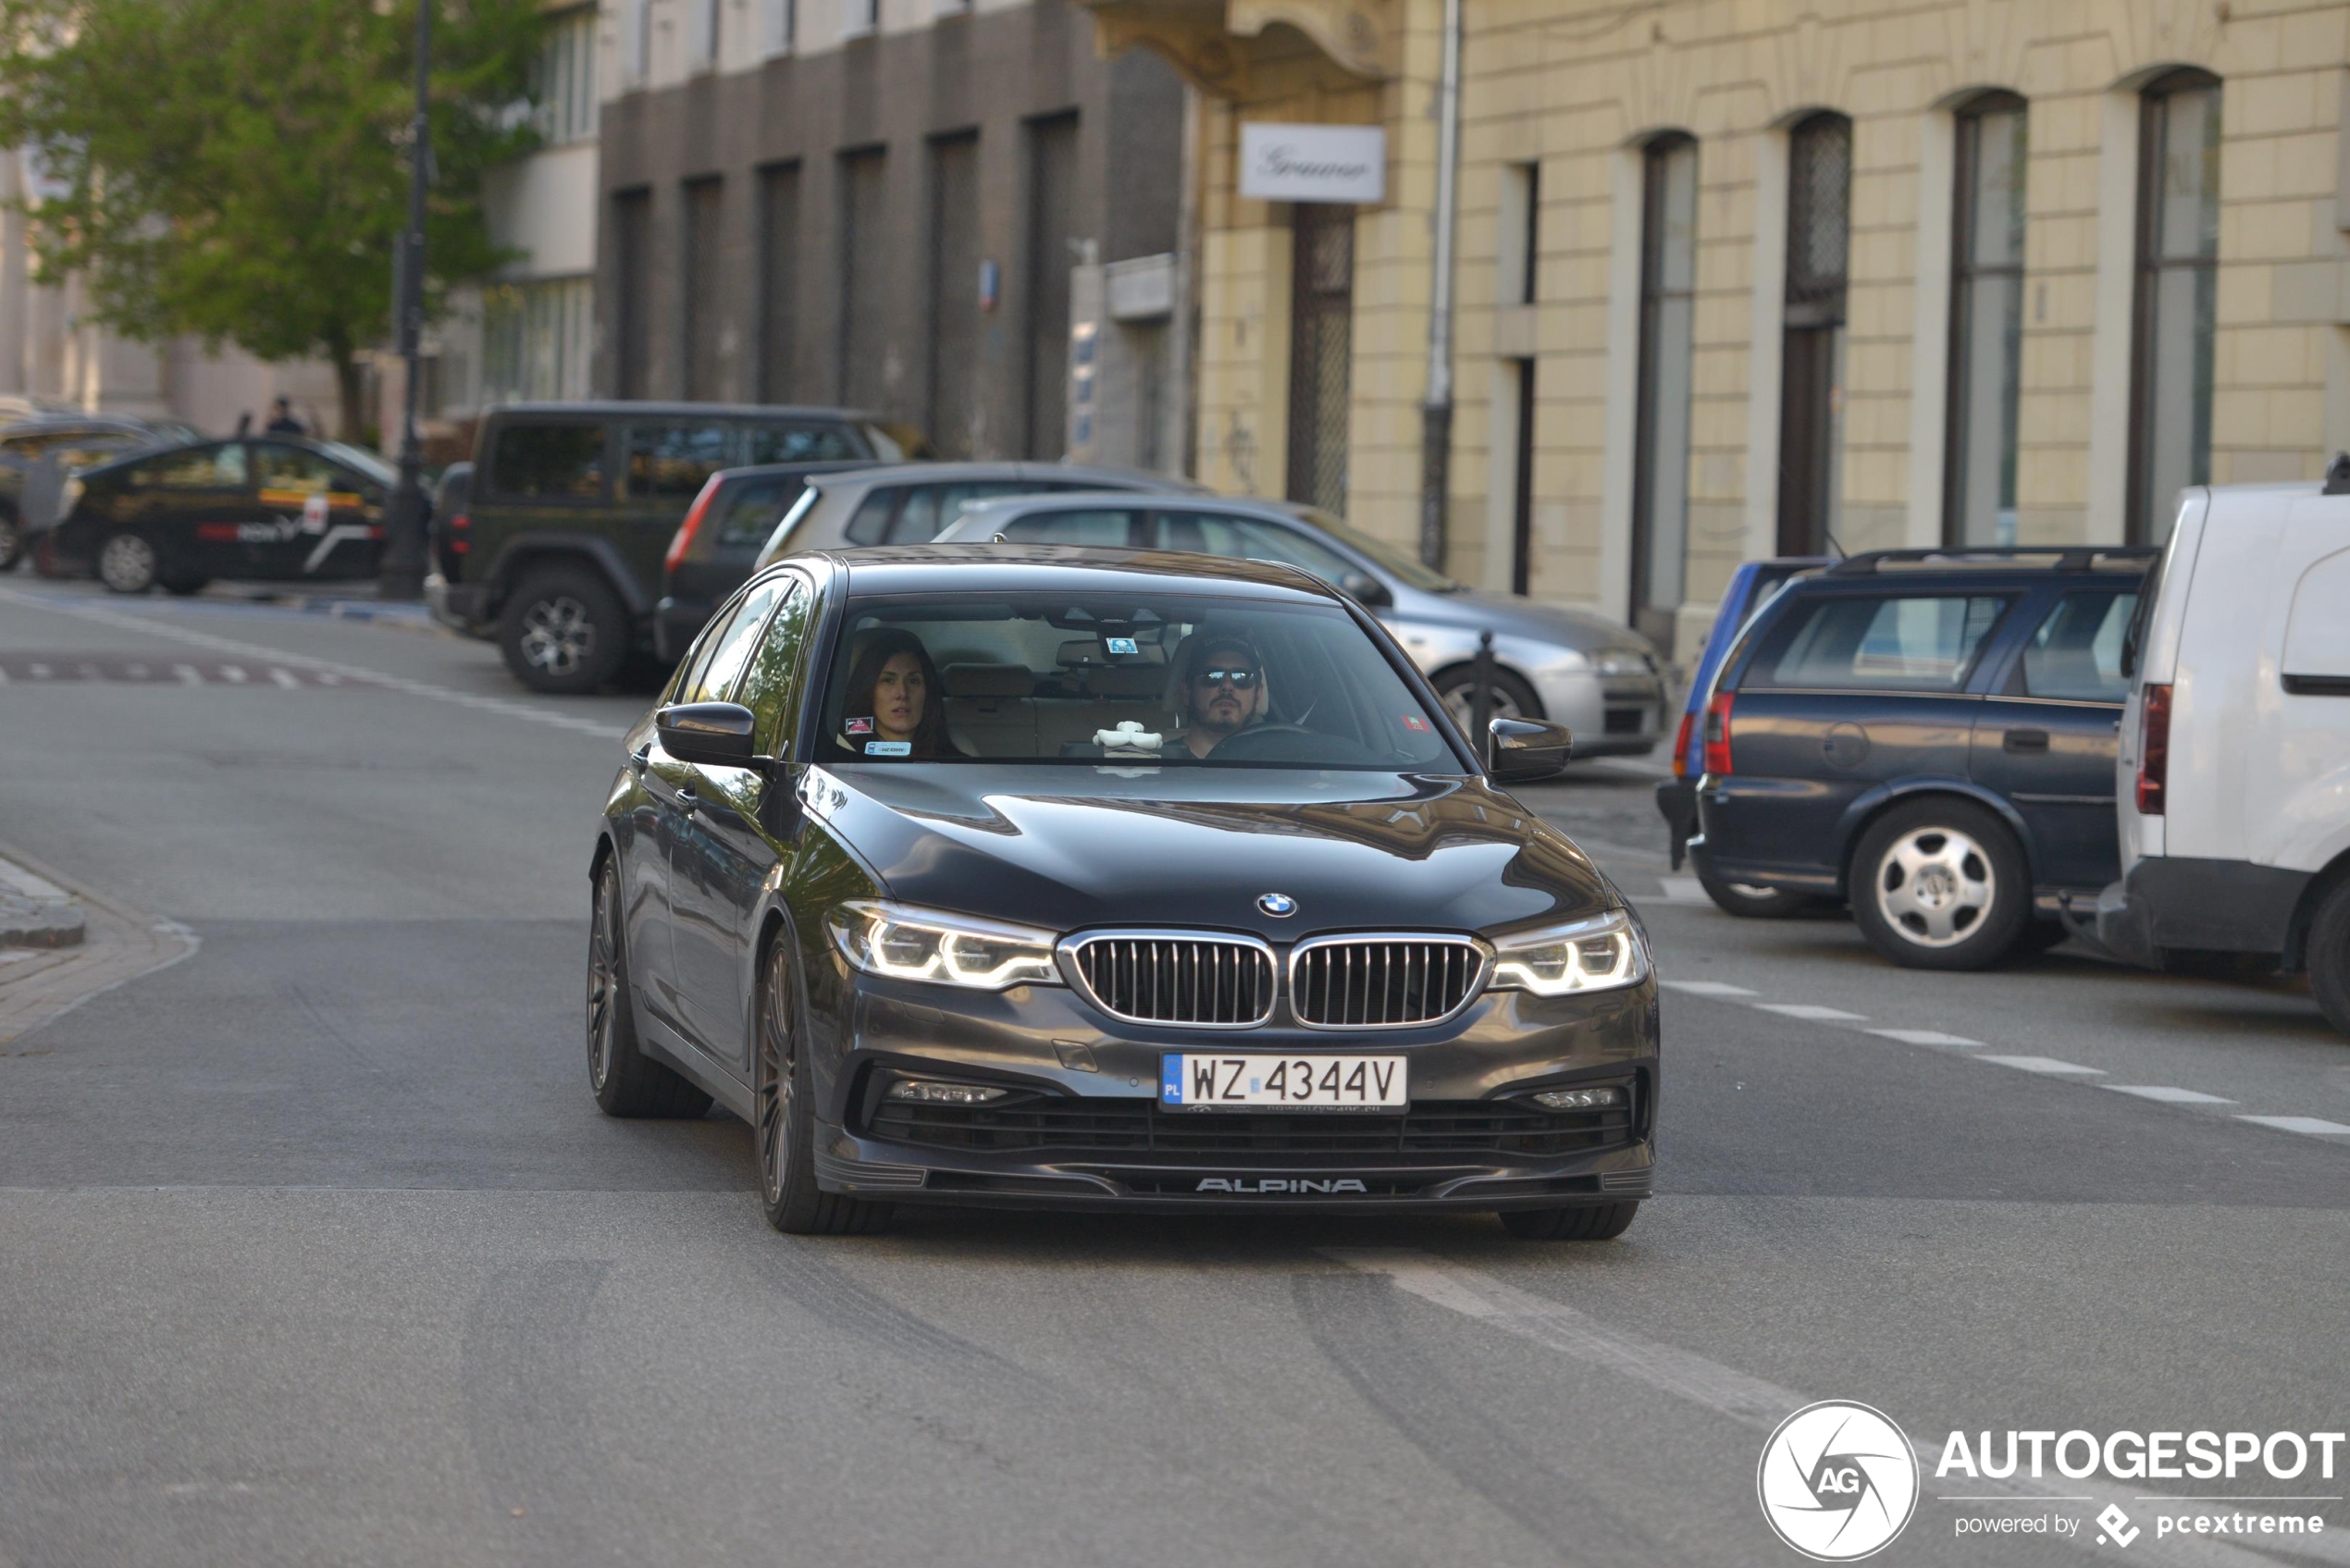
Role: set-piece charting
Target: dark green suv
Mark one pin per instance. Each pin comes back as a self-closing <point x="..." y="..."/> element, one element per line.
<point x="558" y="556"/>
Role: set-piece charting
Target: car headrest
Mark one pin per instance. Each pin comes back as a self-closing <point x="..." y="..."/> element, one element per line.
<point x="1129" y="683"/>
<point x="988" y="680"/>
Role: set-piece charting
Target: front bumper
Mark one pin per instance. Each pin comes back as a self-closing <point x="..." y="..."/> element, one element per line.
<point x="1469" y="1141"/>
<point x="1611" y="715"/>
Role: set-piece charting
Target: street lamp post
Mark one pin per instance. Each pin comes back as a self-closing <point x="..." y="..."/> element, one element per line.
<point x="404" y="571"/>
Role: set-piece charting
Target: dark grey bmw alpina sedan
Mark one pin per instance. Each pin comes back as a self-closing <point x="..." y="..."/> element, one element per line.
<point x="1044" y="877"/>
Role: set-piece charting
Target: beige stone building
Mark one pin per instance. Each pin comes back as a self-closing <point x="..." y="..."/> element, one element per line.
<point x="1739" y="276"/>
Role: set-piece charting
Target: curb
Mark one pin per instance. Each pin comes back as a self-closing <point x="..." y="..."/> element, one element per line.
<point x="113" y="946"/>
<point x="36" y="912"/>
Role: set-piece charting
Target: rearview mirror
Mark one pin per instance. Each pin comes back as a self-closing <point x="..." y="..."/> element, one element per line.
<point x="1526" y="749"/>
<point x="717" y="733"/>
<point x="1366" y="590"/>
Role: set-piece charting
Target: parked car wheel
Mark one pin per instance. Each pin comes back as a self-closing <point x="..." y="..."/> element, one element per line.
<point x="783" y="1127"/>
<point x="1940" y="885"/>
<point x="1511" y="698"/>
<point x="127" y="562"/>
<point x="626" y="1082"/>
<point x="2328" y="958"/>
<point x="1749" y="901"/>
<point x="11" y="544"/>
<point x="565" y="632"/>
<point x="1589" y="1222"/>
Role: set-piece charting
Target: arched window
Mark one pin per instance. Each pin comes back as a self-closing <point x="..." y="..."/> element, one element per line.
<point x="1668" y="303"/>
<point x="2178" y="286"/>
<point x="1986" y="323"/>
<point x="1818" y="235"/>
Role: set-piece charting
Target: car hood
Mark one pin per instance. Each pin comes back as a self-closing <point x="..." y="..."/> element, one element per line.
<point x="1508" y="616"/>
<point x="1068" y="848"/>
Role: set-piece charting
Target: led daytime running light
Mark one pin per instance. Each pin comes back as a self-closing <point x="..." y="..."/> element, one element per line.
<point x="902" y="943"/>
<point x="1605" y="954"/>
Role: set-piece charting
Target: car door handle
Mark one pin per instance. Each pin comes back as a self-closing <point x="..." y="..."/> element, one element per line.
<point x="2026" y="740"/>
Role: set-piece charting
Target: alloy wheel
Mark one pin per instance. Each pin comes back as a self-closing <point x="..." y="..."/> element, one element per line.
<point x="778" y="1077"/>
<point x="126" y="565"/>
<point x="1934" y="886"/>
<point x="558" y="635"/>
<point x="604" y="983"/>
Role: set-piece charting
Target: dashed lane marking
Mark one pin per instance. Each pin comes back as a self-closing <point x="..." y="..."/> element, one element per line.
<point x="2048" y="1064"/>
<point x="2168" y="1094"/>
<point x="1705" y="987"/>
<point x="2316" y="1126"/>
<point x="1683" y="889"/>
<point x="122" y="669"/>
<point x="327" y="672"/>
<point x="1811" y="1012"/>
<point x="1928" y="1037"/>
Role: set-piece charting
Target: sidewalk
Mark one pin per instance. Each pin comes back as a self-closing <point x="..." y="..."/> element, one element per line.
<point x="47" y="972"/>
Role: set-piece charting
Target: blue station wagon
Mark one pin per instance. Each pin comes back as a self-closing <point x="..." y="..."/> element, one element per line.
<point x="1930" y="736"/>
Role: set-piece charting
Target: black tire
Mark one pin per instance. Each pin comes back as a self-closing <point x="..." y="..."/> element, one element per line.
<point x="1751" y="903"/>
<point x="1588" y="1222"/>
<point x="183" y="586"/>
<point x="2328" y="958"/>
<point x="12" y="543"/>
<point x="624" y="1080"/>
<point x="564" y="631"/>
<point x="1513" y="699"/>
<point x="783" y="1123"/>
<point x="127" y="562"/>
<point x="1940" y="885"/>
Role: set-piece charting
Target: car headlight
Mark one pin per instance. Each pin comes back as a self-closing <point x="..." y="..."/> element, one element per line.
<point x="1619" y="662"/>
<point x="73" y="493"/>
<point x="907" y="944"/>
<point x="1599" y="954"/>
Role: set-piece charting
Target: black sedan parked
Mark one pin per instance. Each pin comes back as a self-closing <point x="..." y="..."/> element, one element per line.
<point x="272" y="508"/>
<point x="1035" y="876"/>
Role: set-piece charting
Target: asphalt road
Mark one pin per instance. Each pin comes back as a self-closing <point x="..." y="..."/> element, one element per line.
<point x="317" y="1252"/>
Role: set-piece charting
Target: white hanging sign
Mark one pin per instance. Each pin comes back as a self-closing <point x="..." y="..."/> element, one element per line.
<point x="1314" y="163"/>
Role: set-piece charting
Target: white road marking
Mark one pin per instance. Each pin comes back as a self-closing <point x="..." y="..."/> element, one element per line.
<point x="187" y="673"/>
<point x="2314" y="1126"/>
<point x="232" y="673"/>
<point x="2167" y="1094"/>
<point x="1683" y="889"/>
<point x="1705" y="987"/>
<point x="334" y="672"/>
<point x="2045" y="1064"/>
<point x="1754" y="1404"/>
<point x="1927" y="1037"/>
<point x="38" y="671"/>
<point x="1811" y="1012"/>
<point x="285" y="677"/>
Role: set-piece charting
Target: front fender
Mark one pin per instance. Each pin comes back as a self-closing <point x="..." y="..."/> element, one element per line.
<point x="1870" y="804"/>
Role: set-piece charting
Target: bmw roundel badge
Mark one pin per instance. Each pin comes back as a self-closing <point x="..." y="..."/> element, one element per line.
<point x="1280" y="906"/>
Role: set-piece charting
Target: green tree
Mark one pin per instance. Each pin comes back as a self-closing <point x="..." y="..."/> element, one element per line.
<point x="238" y="169"/>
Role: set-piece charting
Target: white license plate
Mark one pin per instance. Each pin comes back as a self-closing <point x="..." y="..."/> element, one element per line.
<point x="1297" y="1083"/>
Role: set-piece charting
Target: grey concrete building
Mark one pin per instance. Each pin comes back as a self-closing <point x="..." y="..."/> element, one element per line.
<point x="957" y="214"/>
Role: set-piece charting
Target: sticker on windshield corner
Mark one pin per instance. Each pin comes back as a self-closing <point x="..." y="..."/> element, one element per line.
<point x="1120" y="644"/>
<point x="1415" y="723"/>
<point x="861" y="726"/>
<point x="889" y="748"/>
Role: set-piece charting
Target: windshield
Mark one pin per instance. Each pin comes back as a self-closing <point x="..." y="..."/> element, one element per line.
<point x="1143" y="679"/>
<point x="1401" y="562"/>
<point x="367" y="463"/>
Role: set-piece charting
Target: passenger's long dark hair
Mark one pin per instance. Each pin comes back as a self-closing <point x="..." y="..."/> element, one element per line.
<point x="930" y="731"/>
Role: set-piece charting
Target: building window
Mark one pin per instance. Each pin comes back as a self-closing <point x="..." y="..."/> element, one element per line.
<point x="957" y="326"/>
<point x="635" y="41"/>
<point x="1818" y="235"/>
<point x="1053" y="238"/>
<point x="782" y="25"/>
<point x="1522" y="484"/>
<point x="702" y="44"/>
<point x="537" y="338"/>
<point x="2178" y="279"/>
<point x="865" y="278"/>
<point x="779" y="244"/>
<point x="1661" y="461"/>
<point x="563" y="78"/>
<point x="704" y="323"/>
<point x="1519" y="234"/>
<point x="1321" y="353"/>
<point x="632" y="219"/>
<point x="1986" y="323"/>
<point x="860" y="19"/>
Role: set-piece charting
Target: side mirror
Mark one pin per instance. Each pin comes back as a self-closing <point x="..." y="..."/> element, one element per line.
<point x="1366" y="590"/>
<point x="1526" y="749"/>
<point x="716" y="733"/>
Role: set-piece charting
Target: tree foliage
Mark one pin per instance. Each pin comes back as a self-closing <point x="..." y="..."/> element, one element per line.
<point x="238" y="169"/>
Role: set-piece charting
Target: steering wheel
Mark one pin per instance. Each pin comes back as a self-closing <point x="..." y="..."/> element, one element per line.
<point x="1288" y="743"/>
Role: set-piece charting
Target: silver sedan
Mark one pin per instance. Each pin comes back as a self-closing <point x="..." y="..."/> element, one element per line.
<point x="1600" y="679"/>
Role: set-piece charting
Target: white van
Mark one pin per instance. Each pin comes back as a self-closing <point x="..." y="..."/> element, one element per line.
<point x="2233" y="767"/>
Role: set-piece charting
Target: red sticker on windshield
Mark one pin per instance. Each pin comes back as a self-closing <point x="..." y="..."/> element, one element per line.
<point x="861" y="726"/>
<point x="1415" y="723"/>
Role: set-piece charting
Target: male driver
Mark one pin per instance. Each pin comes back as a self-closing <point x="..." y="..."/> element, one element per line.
<point x="1225" y="691"/>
